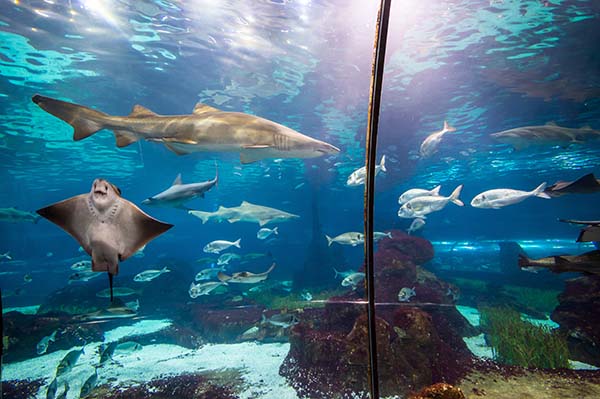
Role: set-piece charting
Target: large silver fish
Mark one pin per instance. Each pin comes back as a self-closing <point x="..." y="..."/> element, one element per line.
<point x="206" y="129"/>
<point x="108" y="227"/>
<point x="546" y="135"/>
<point x="67" y="362"/>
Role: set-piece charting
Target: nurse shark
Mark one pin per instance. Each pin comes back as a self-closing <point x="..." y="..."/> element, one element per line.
<point x="205" y="129"/>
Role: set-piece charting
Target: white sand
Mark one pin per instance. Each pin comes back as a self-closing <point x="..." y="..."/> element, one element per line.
<point x="259" y="364"/>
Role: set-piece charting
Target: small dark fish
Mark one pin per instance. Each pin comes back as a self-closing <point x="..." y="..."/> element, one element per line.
<point x="64" y="394"/>
<point x="89" y="384"/>
<point x="107" y="352"/>
<point x="284" y="320"/>
<point x="27" y="278"/>
<point x="587" y="184"/>
<point x="67" y="363"/>
<point x="51" y="391"/>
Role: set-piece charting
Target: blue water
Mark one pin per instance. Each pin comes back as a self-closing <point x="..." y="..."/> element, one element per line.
<point x="482" y="66"/>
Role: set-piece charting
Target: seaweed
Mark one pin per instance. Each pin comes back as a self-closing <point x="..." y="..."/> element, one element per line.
<point x="520" y="343"/>
<point x="542" y="300"/>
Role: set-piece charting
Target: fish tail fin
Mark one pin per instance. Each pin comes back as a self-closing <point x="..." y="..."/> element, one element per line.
<point x="448" y="128"/>
<point x="85" y="121"/>
<point x="237" y="242"/>
<point x="336" y="272"/>
<point x="454" y="196"/>
<point x="436" y="190"/>
<point x="165" y="270"/>
<point x="329" y="240"/>
<point x="539" y="191"/>
<point x="275" y="230"/>
<point x="382" y="164"/>
<point x="271" y="268"/>
<point x="524" y="261"/>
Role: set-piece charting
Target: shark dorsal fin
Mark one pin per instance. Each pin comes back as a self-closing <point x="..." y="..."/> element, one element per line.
<point x="138" y="110"/>
<point x="200" y="108"/>
<point x="551" y="123"/>
<point x="177" y="180"/>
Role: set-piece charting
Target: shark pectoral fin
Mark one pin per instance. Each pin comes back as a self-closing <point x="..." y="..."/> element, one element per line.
<point x="125" y="137"/>
<point x="253" y="153"/>
<point x="176" y="150"/>
<point x="200" y="108"/>
<point x="139" y="111"/>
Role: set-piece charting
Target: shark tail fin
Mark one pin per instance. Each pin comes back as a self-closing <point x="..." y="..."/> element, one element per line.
<point x="448" y="128"/>
<point x="329" y="240"/>
<point x="539" y="191"/>
<point x="382" y="164"/>
<point x="204" y="216"/>
<point x="454" y="196"/>
<point x="85" y="121"/>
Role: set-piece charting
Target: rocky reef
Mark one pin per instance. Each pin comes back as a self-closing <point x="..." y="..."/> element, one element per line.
<point x="419" y="340"/>
<point x="578" y="314"/>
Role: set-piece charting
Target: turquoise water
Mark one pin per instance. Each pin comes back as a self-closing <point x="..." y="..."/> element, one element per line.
<point x="483" y="66"/>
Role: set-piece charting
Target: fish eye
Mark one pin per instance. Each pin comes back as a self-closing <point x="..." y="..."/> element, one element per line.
<point x="408" y="206"/>
<point x="483" y="197"/>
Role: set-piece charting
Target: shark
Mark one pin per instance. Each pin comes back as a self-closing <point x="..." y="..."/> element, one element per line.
<point x="549" y="134"/>
<point x="14" y="215"/>
<point x="245" y="212"/>
<point x="178" y="194"/>
<point x="205" y="129"/>
<point x="108" y="227"/>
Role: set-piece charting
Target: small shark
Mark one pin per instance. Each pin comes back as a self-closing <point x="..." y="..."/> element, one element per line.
<point x="591" y="233"/>
<point x="549" y="135"/>
<point x="588" y="263"/>
<point x="14" y="215"/>
<point x="246" y="212"/>
<point x="206" y="129"/>
<point x="108" y="227"/>
<point x="245" y="277"/>
<point x="178" y="194"/>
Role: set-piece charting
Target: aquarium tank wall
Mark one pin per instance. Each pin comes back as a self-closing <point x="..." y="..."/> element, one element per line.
<point x="183" y="203"/>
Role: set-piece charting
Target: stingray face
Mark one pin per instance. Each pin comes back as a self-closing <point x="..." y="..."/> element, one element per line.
<point x="103" y="194"/>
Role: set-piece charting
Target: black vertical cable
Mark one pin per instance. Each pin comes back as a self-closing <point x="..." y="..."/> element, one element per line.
<point x="371" y="152"/>
<point x="1" y="340"/>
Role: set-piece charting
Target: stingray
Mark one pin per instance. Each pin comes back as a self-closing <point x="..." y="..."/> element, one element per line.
<point x="591" y="233"/>
<point x="587" y="184"/>
<point x="107" y="226"/>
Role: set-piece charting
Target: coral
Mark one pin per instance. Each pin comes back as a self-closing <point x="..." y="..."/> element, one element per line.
<point x="578" y="314"/>
<point x="20" y="389"/>
<point x="520" y="343"/>
<point x="186" y="386"/>
<point x="439" y="391"/>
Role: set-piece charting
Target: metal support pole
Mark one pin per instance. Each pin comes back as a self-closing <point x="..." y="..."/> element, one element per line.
<point x="371" y="152"/>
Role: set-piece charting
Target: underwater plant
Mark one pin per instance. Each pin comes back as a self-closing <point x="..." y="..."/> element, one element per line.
<point x="542" y="300"/>
<point x="520" y="343"/>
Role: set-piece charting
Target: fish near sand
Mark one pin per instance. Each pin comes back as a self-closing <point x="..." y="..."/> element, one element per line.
<point x="42" y="346"/>
<point x="587" y="184"/>
<point x="283" y="320"/>
<point x="501" y="197"/>
<point x="546" y="135"/>
<point x="197" y="290"/>
<point x="206" y="129"/>
<point x="178" y="194"/>
<point x="432" y="142"/>
<point x="14" y="215"/>
<point x="245" y="277"/>
<point x="108" y="227"/>
<point x="67" y="362"/>
<point x="89" y="384"/>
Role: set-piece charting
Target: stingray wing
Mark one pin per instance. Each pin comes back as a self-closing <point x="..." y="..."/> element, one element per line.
<point x="135" y="228"/>
<point x="73" y="216"/>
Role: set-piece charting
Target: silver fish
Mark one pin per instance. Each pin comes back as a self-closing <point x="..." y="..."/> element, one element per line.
<point x="353" y="280"/>
<point x="42" y="346"/>
<point x="89" y="384"/>
<point x="67" y="362"/>
<point x="149" y="275"/>
<point x="343" y="274"/>
<point x="215" y="247"/>
<point x="206" y="129"/>
<point x="225" y="258"/>
<point x="378" y="235"/>
<point x="432" y="142"/>
<point x="266" y="232"/>
<point x="405" y="294"/>
<point x="359" y="176"/>
<point x="117" y="291"/>
<point x="84" y="275"/>
<point x="418" y="192"/>
<point x="353" y="238"/>
<point x="416" y="224"/>
<point x="128" y="346"/>
<point x="207" y="274"/>
<point x="284" y="320"/>
<point x="83" y="265"/>
<point x="197" y="290"/>
<point x="422" y="206"/>
<point x="133" y="305"/>
<point x="501" y="197"/>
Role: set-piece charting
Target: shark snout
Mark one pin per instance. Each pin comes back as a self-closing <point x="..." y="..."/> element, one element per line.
<point x="327" y="148"/>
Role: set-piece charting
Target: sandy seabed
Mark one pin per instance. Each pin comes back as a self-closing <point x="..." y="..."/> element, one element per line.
<point x="258" y="363"/>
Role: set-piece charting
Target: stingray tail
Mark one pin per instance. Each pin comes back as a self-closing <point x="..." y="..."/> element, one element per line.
<point x="85" y="121"/>
<point x="110" y="283"/>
